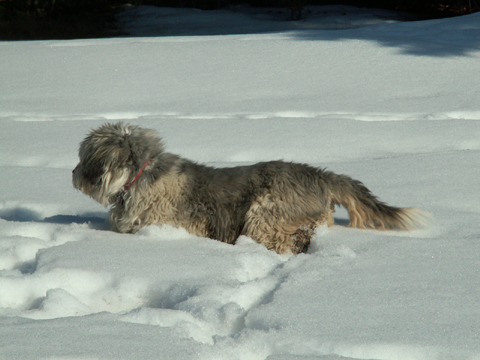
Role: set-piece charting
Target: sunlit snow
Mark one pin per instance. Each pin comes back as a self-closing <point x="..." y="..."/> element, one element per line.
<point x="395" y="105"/>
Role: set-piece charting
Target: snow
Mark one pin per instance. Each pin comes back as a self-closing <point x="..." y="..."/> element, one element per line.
<point x="395" y="105"/>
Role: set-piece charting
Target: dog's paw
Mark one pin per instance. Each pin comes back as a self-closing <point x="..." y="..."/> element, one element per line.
<point x="302" y="237"/>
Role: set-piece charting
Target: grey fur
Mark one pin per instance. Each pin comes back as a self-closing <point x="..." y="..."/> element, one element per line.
<point x="276" y="203"/>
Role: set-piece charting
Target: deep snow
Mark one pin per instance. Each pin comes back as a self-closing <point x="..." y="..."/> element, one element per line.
<point x="395" y="105"/>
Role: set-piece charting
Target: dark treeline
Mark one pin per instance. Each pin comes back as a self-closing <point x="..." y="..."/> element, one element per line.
<point x="426" y="8"/>
<point x="55" y="19"/>
<point x="67" y="19"/>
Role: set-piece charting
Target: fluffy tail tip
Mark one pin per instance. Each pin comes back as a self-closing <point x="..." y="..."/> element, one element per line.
<point x="413" y="219"/>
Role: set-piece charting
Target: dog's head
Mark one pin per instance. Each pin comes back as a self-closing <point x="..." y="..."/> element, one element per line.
<point x="110" y="157"/>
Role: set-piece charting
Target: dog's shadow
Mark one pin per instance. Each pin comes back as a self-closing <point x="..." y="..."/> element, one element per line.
<point x="341" y="221"/>
<point x="97" y="221"/>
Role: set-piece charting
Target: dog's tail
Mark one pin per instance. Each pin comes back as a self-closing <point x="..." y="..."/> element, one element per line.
<point x="366" y="211"/>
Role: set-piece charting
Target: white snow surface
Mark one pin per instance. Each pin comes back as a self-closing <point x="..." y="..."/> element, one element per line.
<point x="395" y="105"/>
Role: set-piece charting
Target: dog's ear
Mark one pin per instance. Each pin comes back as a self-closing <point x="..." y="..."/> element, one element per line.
<point x="144" y="146"/>
<point x="125" y="155"/>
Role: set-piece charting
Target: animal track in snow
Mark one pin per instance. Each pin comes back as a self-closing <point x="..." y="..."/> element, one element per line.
<point x="43" y="277"/>
<point x="203" y="312"/>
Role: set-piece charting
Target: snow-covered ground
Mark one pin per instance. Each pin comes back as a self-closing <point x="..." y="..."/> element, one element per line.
<point x="396" y="105"/>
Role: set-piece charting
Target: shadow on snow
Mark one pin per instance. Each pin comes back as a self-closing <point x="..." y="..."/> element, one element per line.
<point x="22" y="214"/>
<point x="449" y="37"/>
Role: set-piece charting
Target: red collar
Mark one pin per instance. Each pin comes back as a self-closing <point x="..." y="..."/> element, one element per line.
<point x="130" y="184"/>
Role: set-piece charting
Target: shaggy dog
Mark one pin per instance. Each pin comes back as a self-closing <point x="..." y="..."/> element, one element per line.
<point x="278" y="204"/>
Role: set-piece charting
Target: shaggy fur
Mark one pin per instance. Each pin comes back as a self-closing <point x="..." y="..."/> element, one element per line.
<point x="276" y="203"/>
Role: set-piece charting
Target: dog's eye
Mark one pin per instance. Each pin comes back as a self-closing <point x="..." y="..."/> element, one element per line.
<point x="93" y="174"/>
